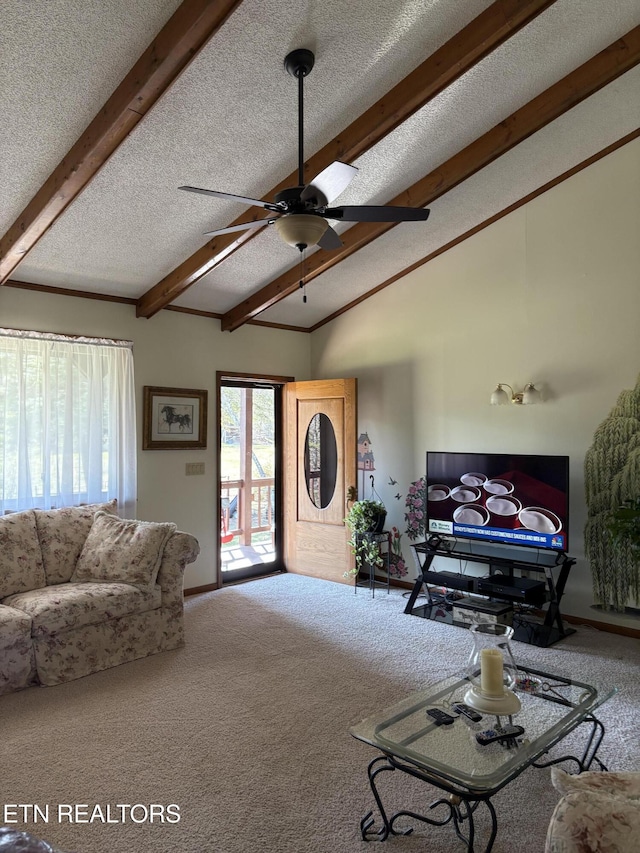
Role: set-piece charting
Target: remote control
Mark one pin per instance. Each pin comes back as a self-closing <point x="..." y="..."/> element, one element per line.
<point x="461" y="708"/>
<point x="499" y="733"/>
<point x="441" y="718"/>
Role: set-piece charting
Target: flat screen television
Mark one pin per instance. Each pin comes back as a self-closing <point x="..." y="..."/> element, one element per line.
<point x="498" y="497"/>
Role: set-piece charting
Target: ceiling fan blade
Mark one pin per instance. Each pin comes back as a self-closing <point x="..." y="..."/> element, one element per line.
<point x="374" y="213"/>
<point x="329" y="183"/>
<point x="230" y="197"/>
<point x="244" y="227"/>
<point x="330" y="240"/>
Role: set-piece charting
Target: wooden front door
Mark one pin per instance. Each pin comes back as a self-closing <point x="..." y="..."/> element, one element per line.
<point x="319" y="468"/>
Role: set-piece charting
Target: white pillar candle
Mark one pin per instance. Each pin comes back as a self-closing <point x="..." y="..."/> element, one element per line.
<point x="491" y="672"/>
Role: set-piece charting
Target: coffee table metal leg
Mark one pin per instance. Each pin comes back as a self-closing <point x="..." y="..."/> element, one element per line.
<point x="590" y="750"/>
<point x="470" y="807"/>
<point x="368" y="820"/>
<point x="460" y="812"/>
<point x="593" y="744"/>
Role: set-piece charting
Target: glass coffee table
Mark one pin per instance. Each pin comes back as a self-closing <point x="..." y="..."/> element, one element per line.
<point x="450" y="757"/>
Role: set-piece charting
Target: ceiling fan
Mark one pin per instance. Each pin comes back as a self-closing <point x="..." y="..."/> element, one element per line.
<point x="302" y="212"/>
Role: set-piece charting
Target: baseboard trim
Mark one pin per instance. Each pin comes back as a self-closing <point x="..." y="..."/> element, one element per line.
<point x="196" y="590"/>
<point x="623" y="630"/>
<point x="398" y="583"/>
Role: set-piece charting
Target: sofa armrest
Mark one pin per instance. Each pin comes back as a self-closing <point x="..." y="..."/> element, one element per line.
<point x="181" y="549"/>
<point x="592" y="822"/>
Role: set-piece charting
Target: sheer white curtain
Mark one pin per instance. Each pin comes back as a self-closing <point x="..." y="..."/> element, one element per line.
<point x="67" y="421"/>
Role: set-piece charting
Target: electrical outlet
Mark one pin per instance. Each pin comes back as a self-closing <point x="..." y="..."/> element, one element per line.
<point x="192" y="468"/>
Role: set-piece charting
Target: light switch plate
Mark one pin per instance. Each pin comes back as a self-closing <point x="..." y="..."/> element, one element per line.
<point x="192" y="468"/>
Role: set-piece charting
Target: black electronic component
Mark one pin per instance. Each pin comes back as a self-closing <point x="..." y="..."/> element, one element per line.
<point x="466" y="711"/>
<point x="440" y="718"/>
<point x="506" y="734"/>
<point x="450" y="580"/>
<point x="513" y="588"/>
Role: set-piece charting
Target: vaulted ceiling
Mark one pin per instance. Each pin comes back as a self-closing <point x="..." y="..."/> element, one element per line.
<point x="467" y="107"/>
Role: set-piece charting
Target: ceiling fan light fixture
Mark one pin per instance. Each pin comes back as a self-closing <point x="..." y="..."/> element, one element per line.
<point x="301" y="229"/>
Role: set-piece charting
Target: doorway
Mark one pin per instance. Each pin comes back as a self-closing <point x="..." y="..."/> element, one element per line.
<point x="250" y="475"/>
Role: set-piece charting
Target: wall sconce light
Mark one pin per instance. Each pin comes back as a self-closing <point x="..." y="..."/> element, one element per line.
<point x="528" y="397"/>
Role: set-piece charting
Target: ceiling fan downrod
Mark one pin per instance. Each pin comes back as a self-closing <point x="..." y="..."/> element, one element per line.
<point x="299" y="63"/>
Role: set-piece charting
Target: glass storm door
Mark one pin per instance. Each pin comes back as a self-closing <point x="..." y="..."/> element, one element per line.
<point x="250" y="414"/>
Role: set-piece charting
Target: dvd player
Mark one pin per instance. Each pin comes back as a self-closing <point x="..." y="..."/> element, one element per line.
<point x="450" y="580"/>
<point x="516" y="589"/>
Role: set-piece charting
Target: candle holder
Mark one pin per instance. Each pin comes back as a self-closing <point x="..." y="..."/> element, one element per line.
<point x="492" y="670"/>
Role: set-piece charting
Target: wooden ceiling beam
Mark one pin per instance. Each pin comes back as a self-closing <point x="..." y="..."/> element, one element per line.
<point x="179" y="41"/>
<point x="474" y="42"/>
<point x="597" y="72"/>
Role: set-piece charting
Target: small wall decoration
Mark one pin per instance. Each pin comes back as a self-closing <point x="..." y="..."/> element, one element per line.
<point x="366" y="461"/>
<point x="174" y="418"/>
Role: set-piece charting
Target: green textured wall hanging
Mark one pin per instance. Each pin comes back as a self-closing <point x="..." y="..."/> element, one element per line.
<point x="611" y="476"/>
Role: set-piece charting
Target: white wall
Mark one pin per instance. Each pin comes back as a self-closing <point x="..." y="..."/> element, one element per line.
<point x="549" y="294"/>
<point x="179" y="351"/>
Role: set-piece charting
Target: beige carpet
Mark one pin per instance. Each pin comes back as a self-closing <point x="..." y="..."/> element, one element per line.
<point x="246" y="729"/>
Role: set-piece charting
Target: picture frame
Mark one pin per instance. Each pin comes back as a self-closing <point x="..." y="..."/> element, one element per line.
<point x="174" y="418"/>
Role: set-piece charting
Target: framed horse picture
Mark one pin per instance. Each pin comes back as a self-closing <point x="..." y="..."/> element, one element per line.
<point x="174" y="418"/>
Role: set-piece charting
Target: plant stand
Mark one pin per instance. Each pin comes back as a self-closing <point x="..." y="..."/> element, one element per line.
<point x="366" y="577"/>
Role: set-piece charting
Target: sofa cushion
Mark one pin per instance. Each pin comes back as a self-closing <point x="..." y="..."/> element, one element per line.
<point x="17" y="668"/>
<point x="62" y="533"/>
<point x="21" y="565"/>
<point x="123" y="550"/>
<point x="619" y="783"/>
<point x="592" y="822"/>
<point x="63" y="607"/>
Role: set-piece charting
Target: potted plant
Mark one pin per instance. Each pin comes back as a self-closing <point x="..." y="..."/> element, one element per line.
<point x="365" y="517"/>
<point x="624" y="524"/>
<point x="624" y="528"/>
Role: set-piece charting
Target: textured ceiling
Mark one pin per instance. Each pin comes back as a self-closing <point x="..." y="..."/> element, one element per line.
<point x="229" y="123"/>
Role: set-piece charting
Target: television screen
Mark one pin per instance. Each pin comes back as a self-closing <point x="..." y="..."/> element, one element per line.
<point x="519" y="500"/>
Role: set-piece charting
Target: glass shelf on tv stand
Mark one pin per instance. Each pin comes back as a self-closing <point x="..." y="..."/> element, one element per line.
<point x="542" y="628"/>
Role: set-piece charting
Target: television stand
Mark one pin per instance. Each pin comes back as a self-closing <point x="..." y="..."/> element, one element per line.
<point x="505" y="582"/>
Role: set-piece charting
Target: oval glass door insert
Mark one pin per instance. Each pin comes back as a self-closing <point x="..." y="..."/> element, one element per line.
<point x="320" y="460"/>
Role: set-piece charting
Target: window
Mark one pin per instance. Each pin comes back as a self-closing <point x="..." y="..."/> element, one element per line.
<point x="67" y="421"/>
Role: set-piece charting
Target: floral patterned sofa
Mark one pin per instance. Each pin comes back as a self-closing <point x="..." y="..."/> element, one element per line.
<point x="598" y="813"/>
<point x="82" y="590"/>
